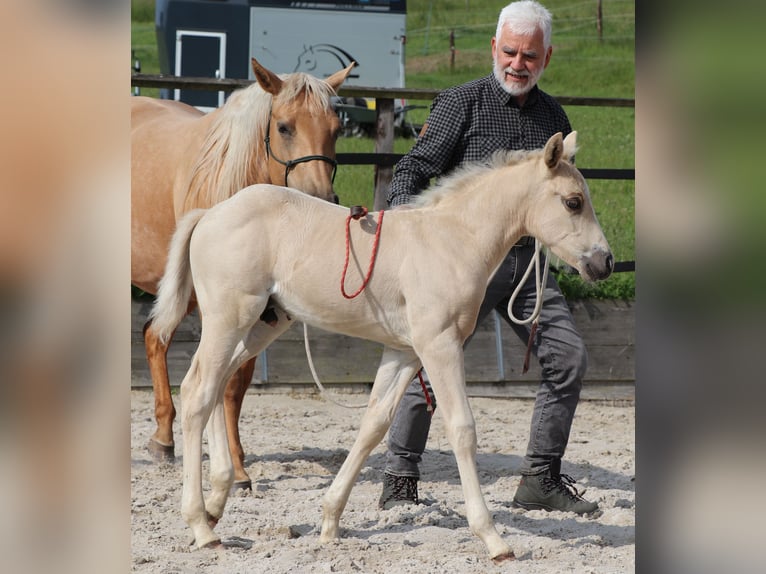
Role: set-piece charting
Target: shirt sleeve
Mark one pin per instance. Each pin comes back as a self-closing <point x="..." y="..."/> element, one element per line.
<point x="432" y="153"/>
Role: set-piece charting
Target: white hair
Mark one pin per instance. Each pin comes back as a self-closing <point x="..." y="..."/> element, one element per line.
<point x="524" y="17"/>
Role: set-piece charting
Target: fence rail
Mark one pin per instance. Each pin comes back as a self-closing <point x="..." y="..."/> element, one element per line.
<point x="231" y="84"/>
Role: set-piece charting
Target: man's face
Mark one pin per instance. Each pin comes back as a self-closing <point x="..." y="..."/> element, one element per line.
<point x="519" y="60"/>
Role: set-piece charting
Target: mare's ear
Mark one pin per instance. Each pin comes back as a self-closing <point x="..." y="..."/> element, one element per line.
<point x="570" y="146"/>
<point x="337" y="79"/>
<point x="553" y="150"/>
<point x="267" y="79"/>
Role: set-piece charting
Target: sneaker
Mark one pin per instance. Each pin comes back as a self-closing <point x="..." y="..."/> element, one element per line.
<point x="398" y="491"/>
<point x="551" y="490"/>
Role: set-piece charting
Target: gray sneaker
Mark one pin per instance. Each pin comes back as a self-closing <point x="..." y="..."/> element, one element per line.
<point x="398" y="491"/>
<point x="551" y="490"/>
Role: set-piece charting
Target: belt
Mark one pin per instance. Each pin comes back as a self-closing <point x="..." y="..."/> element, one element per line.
<point x="525" y="241"/>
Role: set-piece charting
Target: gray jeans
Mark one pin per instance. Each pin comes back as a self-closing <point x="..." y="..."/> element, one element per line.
<point x="558" y="347"/>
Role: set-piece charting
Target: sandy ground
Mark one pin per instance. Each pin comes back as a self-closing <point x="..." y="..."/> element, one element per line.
<point x="295" y="445"/>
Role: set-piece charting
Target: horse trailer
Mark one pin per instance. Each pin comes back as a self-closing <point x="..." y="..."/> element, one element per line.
<point x="216" y="38"/>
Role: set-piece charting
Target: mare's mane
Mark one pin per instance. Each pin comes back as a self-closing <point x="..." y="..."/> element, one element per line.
<point x="456" y="180"/>
<point x="227" y="159"/>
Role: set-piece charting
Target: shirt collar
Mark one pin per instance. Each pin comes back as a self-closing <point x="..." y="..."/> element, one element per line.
<point x="507" y="100"/>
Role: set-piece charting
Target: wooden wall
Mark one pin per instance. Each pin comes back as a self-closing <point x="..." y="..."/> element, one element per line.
<point x="348" y="365"/>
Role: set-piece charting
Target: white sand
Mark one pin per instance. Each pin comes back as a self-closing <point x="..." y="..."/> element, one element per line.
<point x="295" y="445"/>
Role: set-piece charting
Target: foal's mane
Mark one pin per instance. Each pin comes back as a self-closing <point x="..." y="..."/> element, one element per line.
<point x="227" y="161"/>
<point x="459" y="178"/>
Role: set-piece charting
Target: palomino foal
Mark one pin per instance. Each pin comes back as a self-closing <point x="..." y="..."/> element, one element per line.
<point x="269" y="245"/>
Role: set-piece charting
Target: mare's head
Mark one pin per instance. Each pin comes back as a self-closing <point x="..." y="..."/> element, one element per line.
<point x="561" y="213"/>
<point x="302" y="130"/>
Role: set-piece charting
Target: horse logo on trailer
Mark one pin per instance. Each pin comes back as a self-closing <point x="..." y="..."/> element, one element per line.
<point x="324" y="56"/>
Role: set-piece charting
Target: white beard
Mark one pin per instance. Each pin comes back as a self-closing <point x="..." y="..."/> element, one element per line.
<point x="513" y="89"/>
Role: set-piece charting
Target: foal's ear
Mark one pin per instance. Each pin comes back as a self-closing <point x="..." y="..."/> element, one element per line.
<point x="267" y="79"/>
<point x="570" y="146"/>
<point x="553" y="150"/>
<point x="337" y="79"/>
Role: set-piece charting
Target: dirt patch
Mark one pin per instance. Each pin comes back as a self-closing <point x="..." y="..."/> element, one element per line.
<point x="295" y="445"/>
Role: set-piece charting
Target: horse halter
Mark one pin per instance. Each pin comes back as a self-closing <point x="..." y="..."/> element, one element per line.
<point x="291" y="163"/>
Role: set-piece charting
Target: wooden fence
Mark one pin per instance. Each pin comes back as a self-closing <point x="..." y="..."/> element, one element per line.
<point x="494" y="356"/>
<point x="383" y="158"/>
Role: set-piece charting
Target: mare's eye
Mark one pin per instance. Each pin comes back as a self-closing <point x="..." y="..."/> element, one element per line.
<point x="573" y="203"/>
<point x="283" y="129"/>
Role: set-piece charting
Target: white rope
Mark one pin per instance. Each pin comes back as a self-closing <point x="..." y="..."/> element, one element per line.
<point x="321" y="388"/>
<point x="539" y="287"/>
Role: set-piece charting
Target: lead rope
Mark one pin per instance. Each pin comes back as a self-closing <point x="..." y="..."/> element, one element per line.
<point x="534" y="318"/>
<point x="319" y="385"/>
<point x="357" y="212"/>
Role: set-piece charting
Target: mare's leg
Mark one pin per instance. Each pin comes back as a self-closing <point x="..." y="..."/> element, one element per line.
<point x="232" y="402"/>
<point x="394" y="374"/>
<point x="261" y="335"/>
<point x="161" y="444"/>
<point x="443" y="360"/>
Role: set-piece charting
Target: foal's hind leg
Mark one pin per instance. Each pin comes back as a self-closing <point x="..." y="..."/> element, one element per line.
<point x="219" y="354"/>
<point x="232" y="402"/>
<point x="394" y="374"/>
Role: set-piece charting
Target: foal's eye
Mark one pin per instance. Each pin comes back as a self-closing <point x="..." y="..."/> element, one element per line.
<point x="283" y="129"/>
<point x="573" y="203"/>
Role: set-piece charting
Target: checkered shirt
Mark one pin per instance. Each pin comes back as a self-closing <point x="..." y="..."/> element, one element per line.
<point x="469" y="123"/>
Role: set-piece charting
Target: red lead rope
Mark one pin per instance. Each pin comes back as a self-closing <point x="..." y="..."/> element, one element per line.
<point x="356" y="213"/>
<point x="429" y="404"/>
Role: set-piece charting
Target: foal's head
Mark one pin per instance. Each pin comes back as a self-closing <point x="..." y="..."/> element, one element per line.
<point x="302" y="130"/>
<point x="561" y="213"/>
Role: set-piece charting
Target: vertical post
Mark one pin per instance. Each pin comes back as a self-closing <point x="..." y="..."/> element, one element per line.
<point x="599" y="21"/>
<point x="452" y="50"/>
<point x="384" y="143"/>
<point x="499" y="345"/>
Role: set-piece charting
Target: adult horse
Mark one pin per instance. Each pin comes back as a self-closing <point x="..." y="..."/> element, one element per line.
<point x="272" y="246"/>
<point x="280" y="129"/>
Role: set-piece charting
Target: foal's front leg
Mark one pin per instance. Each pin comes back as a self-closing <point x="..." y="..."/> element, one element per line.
<point x="443" y="360"/>
<point x="394" y="374"/>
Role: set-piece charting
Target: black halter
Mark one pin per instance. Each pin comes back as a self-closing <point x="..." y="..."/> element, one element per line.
<point x="291" y="163"/>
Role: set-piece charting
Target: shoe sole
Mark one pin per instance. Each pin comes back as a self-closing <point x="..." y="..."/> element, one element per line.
<point x="536" y="506"/>
<point x="394" y="503"/>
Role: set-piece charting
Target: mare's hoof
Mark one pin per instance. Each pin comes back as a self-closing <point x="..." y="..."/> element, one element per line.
<point x="507" y="557"/>
<point x="241" y="485"/>
<point x="212" y="545"/>
<point x="161" y="452"/>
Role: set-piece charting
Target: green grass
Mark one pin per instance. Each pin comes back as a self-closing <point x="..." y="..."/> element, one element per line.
<point x="582" y="65"/>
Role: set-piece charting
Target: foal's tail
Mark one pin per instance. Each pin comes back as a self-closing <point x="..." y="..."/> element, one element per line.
<point x="175" y="288"/>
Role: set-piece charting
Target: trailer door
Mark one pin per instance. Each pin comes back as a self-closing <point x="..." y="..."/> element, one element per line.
<point x="200" y="54"/>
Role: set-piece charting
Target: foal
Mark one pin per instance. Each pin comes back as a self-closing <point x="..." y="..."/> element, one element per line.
<point x="271" y="246"/>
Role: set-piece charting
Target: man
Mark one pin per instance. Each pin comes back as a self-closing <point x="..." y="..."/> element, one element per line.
<point x="467" y="123"/>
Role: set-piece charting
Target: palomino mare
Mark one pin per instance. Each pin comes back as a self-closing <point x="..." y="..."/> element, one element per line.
<point x="183" y="159"/>
<point x="280" y="249"/>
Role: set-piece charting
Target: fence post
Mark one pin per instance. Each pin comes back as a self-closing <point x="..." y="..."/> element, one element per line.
<point x="452" y="50"/>
<point x="384" y="143"/>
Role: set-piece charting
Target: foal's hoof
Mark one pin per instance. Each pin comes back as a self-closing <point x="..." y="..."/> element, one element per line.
<point x="241" y="485"/>
<point x="507" y="557"/>
<point x="161" y="452"/>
